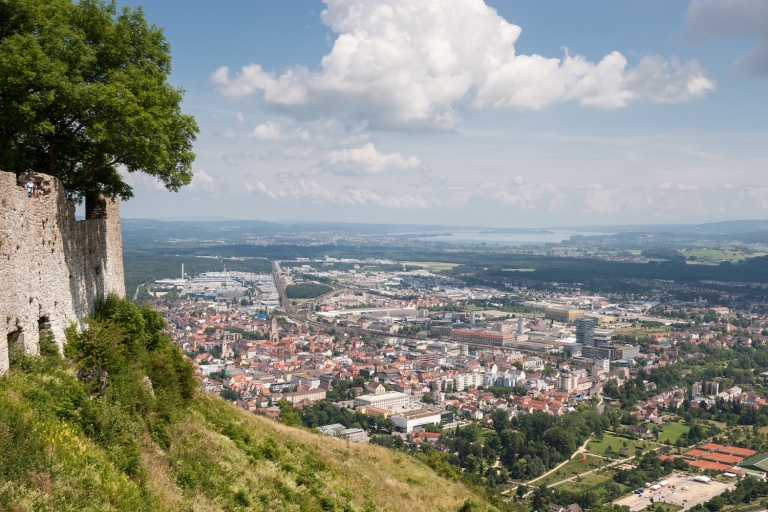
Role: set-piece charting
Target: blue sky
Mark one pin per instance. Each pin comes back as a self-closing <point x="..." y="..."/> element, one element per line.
<point x="504" y="113"/>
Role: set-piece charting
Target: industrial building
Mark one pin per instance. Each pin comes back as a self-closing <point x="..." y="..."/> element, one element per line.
<point x="562" y="314"/>
<point x="407" y="421"/>
<point x="495" y="339"/>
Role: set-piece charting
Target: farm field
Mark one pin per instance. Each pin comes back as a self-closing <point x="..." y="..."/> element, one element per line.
<point x="714" y="256"/>
<point x="616" y="443"/>
<point x="671" y="432"/>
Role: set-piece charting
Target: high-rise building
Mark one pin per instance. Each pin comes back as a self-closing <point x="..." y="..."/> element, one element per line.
<point x="585" y="331"/>
<point x="568" y="381"/>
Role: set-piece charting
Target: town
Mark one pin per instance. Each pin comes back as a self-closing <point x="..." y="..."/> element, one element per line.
<point x="542" y="393"/>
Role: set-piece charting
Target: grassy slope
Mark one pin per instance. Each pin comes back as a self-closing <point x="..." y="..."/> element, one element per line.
<point x="212" y="457"/>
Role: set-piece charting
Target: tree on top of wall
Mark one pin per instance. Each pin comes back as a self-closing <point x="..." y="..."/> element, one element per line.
<point x="84" y="92"/>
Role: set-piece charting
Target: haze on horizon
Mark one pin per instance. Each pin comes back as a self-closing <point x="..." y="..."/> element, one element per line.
<point x="467" y="112"/>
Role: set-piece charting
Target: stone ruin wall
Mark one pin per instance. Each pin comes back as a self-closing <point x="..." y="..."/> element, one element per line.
<point x="52" y="267"/>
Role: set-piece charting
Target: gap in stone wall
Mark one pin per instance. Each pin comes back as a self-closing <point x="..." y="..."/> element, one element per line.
<point x="13" y="337"/>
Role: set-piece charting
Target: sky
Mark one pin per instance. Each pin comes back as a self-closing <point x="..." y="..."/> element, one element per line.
<point x="469" y="112"/>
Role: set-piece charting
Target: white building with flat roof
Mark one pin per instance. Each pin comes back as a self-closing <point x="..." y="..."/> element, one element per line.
<point x="308" y="381"/>
<point x="357" y="435"/>
<point x="408" y="420"/>
<point x="391" y="400"/>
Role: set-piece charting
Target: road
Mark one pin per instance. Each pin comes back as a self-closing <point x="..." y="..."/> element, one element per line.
<point x="284" y="302"/>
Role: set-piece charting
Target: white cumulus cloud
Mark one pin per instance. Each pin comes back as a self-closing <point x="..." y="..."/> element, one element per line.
<point x="201" y="180"/>
<point x="273" y="131"/>
<point x="367" y="160"/>
<point x="423" y="63"/>
<point x="266" y="131"/>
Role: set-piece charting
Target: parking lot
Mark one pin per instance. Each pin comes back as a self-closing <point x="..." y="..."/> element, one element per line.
<point x="674" y="493"/>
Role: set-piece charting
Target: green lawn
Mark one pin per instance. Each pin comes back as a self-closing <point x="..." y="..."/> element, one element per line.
<point x="617" y="443"/>
<point x="669" y="433"/>
<point x="587" y="482"/>
<point x="572" y="468"/>
<point x="661" y="507"/>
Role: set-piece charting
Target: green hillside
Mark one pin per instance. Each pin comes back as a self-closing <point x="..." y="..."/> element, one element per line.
<point x="120" y="424"/>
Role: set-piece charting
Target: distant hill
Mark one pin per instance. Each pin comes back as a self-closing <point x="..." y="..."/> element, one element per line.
<point x="213" y="224"/>
<point x="710" y="228"/>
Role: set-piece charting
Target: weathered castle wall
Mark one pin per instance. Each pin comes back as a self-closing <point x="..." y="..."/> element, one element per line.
<point x="52" y="267"/>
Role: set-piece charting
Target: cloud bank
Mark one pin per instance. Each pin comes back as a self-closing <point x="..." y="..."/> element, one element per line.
<point x="421" y="64"/>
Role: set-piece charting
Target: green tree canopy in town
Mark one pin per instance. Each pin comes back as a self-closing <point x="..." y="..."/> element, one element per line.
<point x="84" y="92"/>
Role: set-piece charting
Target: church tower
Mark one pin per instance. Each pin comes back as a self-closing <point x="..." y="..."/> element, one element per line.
<point x="273" y="334"/>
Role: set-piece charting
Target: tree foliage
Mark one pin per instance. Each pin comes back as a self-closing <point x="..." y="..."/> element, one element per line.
<point x="84" y="91"/>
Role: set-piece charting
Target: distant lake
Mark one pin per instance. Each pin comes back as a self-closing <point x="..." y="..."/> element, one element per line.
<point x="489" y="236"/>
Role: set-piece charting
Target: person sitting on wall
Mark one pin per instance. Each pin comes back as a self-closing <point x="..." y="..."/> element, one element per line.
<point x="38" y="188"/>
<point x="30" y="187"/>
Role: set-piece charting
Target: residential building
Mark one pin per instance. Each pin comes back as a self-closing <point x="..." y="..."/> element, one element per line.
<point x="390" y="400"/>
<point x="463" y="381"/>
<point x="568" y="381"/>
<point x="311" y="394"/>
